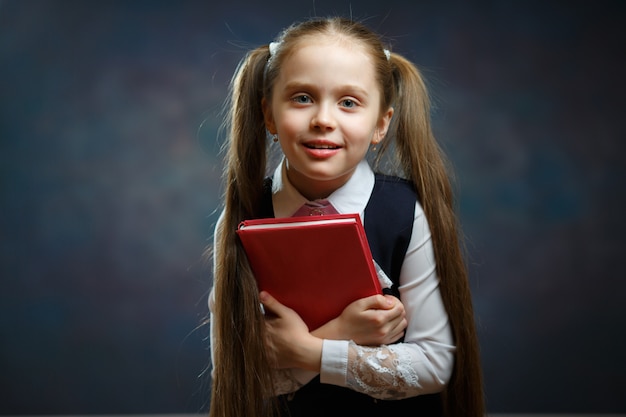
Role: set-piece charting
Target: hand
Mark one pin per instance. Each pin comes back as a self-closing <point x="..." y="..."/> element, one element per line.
<point x="375" y="320"/>
<point x="288" y="339"/>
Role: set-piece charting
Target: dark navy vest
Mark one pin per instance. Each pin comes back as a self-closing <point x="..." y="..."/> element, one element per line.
<point x="388" y="226"/>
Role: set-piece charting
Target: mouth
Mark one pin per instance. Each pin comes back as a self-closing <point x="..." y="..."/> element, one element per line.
<point x="313" y="146"/>
<point x="321" y="149"/>
<point x="324" y="145"/>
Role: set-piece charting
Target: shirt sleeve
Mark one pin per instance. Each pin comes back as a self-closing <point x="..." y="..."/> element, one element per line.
<point x="211" y="300"/>
<point x="423" y="362"/>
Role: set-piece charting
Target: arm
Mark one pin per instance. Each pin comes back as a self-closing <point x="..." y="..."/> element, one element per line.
<point x="421" y="364"/>
<point x="372" y="320"/>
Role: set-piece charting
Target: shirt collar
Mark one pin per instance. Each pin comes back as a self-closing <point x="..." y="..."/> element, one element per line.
<point x="352" y="197"/>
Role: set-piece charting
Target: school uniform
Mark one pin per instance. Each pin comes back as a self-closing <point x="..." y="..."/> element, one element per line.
<point x="399" y="239"/>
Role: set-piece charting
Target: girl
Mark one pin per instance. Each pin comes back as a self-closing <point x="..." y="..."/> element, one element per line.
<point x="329" y="94"/>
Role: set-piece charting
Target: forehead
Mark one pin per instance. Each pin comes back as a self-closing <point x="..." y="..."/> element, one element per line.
<point x="329" y="58"/>
<point x="340" y="42"/>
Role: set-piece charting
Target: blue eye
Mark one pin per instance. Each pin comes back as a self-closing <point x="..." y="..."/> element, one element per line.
<point x="303" y="99"/>
<point x="348" y="103"/>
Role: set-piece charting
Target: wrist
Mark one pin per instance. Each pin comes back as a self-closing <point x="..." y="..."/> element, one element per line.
<point x="310" y="355"/>
<point x="330" y="330"/>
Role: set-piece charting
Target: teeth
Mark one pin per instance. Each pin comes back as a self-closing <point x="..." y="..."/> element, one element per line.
<point x="322" y="146"/>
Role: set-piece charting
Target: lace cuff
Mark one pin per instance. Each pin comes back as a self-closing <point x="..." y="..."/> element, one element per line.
<point x="291" y="380"/>
<point x="384" y="372"/>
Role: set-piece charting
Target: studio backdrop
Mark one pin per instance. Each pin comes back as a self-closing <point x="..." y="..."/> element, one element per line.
<point x="110" y="185"/>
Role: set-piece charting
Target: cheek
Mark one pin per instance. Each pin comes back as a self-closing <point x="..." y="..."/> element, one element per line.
<point x="290" y="124"/>
<point x="361" y="133"/>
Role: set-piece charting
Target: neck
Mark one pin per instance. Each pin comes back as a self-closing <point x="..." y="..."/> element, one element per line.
<point x="315" y="189"/>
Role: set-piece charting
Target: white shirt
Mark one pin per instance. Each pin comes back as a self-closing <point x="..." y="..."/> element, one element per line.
<point x="421" y="364"/>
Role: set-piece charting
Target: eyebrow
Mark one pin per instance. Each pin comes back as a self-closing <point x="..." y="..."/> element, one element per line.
<point x="296" y="85"/>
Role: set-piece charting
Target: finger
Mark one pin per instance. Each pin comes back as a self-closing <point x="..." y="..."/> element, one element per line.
<point x="394" y="314"/>
<point x="266" y="302"/>
<point x="270" y="304"/>
<point x="395" y="331"/>
<point x="395" y="319"/>
<point x="401" y="329"/>
<point x="378" y="302"/>
<point x="396" y="337"/>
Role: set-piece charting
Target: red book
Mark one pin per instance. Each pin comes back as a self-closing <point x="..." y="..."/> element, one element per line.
<point x="315" y="265"/>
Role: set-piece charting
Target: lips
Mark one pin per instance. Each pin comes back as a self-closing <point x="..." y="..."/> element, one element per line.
<point x="321" y="149"/>
<point x="321" y="145"/>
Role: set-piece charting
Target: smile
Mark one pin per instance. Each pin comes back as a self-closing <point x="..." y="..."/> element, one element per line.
<point x="312" y="146"/>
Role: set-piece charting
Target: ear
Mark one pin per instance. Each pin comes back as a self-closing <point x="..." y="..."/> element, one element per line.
<point x="382" y="126"/>
<point x="267" y="116"/>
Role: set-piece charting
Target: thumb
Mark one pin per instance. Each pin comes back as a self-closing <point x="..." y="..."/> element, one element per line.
<point x="269" y="303"/>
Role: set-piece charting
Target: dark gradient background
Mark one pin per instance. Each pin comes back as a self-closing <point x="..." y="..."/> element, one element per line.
<point x="110" y="178"/>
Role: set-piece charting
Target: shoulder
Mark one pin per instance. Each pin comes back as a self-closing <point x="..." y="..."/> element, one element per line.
<point x="389" y="186"/>
<point x="392" y="199"/>
<point x="394" y="180"/>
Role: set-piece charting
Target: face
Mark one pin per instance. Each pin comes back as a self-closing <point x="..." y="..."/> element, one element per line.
<point x="326" y="111"/>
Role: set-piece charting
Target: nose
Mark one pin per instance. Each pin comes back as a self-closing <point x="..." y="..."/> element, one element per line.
<point x="323" y="118"/>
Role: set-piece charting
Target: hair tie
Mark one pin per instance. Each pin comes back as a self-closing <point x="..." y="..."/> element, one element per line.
<point x="273" y="48"/>
<point x="387" y="54"/>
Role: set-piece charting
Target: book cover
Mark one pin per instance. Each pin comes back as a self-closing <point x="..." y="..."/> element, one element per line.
<point x="316" y="265"/>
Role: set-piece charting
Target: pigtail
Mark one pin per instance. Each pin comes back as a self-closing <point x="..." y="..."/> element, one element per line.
<point x="424" y="163"/>
<point x="241" y="367"/>
<point x="246" y="154"/>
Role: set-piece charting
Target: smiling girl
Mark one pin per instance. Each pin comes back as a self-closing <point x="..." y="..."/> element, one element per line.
<point x="328" y="93"/>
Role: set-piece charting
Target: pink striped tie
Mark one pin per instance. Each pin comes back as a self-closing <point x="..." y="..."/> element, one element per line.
<point x="315" y="208"/>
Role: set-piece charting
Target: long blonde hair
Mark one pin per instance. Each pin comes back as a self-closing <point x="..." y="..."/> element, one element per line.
<point x="242" y="385"/>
